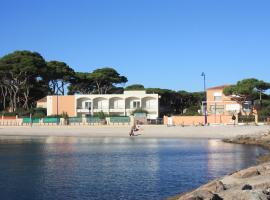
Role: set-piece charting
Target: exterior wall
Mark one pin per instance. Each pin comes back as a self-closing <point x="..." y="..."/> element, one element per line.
<point x="118" y="104"/>
<point x="197" y="120"/>
<point x="185" y="120"/>
<point x="230" y="107"/>
<point x="41" y="104"/>
<point x="65" y="104"/>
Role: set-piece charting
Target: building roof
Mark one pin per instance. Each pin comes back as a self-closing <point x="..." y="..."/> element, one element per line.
<point x="218" y="87"/>
<point x="43" y="100"/>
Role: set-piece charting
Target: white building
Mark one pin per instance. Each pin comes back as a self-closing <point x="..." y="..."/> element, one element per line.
<point x="112" y="104"/>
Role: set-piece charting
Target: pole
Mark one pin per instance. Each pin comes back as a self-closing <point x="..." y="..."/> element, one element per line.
<point x="57" y="113"/>
<point x="215" y="112"/>
<point x="205" y="99"/>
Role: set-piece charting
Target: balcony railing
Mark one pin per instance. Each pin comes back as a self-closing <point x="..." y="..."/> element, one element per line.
<point x="81" y="107"/>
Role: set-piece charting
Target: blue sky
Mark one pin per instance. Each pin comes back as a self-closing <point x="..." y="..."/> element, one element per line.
<point x="164" y="44"/>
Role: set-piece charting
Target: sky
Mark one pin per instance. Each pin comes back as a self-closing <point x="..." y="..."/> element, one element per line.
<point x="157" y="43"/>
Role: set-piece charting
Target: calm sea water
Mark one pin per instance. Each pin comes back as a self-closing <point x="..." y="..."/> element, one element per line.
<point x="114" y="168"/>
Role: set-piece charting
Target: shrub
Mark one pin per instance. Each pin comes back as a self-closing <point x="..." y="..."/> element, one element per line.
<point x="139" y="110"/>
<point x="100" y="115"/>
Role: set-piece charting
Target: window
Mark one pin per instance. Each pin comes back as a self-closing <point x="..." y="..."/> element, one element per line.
<point x="87" y="105"/>
<point x="136" y="104"/>
<point x="115" y="104"/>
<point x="99" y="105"/>
<point x="149" y="104"/>
<point x="217" y="109"/>
<point x="247" y="106"/>
<point x="217" y="98"/>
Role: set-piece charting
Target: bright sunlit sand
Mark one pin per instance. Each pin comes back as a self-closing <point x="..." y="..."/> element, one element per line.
<point x="147" y="131"/>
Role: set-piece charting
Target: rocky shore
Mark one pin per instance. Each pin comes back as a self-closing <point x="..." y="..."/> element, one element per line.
<point x="248" y="184"/>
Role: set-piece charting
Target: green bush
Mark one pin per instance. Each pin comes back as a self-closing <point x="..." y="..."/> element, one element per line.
<point x="9" y="114"/>
<point x="100" y="115"/>
<point x="139" y="110"/>
<point x="192" y="111"/>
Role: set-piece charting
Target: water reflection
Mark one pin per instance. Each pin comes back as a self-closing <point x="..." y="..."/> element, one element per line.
<point x="115" y="168"/>
<point x="225" y="157"/>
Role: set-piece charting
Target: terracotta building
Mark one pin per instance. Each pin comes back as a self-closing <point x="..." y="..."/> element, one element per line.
<point x="220" y="109"/>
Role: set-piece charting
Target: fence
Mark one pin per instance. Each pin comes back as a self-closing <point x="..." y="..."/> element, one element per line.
<point x="119" y="120"/>
<point x="246" y="119"/>
<point x="94" y="120"/>
<point x="27" y="121"/>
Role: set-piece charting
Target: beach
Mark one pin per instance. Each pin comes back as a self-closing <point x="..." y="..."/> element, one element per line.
<point x="146" y="131"/>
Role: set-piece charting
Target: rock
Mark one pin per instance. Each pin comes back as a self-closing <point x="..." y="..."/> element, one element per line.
<point x="264" y="185"/>
<point x="216" y="197"/>
<point x="200" y="195"/>
<point x="220" y="187"/>
<point x="267" y="192"/>
<point x="245" y="195"/>
<point x="250" y="172"/>
<point x="247" y="187"/>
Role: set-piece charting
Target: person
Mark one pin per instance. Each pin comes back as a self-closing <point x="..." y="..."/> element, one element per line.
<point x="233" y="118"/>
<point x="134" y="128"/>
<point x="131" y="133"/>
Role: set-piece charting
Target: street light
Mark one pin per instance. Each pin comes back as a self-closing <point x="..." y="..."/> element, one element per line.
<point x="205" y="98"/>
<point x="57" y="113"/>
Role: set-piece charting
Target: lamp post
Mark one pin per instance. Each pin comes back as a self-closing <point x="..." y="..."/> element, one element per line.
<point x="205" y="98"/>
<point x="57" y="112"/>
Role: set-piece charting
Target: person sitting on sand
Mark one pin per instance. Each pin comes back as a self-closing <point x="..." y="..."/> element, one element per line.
<point x="134" y="128"/>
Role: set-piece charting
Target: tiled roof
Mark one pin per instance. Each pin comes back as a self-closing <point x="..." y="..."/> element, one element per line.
<point x="218" y="87"/>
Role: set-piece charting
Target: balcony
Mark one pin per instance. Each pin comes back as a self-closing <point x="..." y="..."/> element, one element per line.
<point x="83" y="109"/>
<point x="117" y="109"/>
<point x="99" y="109"/>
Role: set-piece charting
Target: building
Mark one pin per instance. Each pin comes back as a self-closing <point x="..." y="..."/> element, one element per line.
<point x="220" y="104"/>
<point x="42" y="103"/>
<point x="220" y="109"/>
<point x="112" y="104"/>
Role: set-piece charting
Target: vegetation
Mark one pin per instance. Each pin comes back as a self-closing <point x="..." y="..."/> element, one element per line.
<point x="178" y="102"/>
<point x="251" y="90"/>
<point x="139" y="110"/>
<point x="135" y="87"/>
<point x="100" y="115"/>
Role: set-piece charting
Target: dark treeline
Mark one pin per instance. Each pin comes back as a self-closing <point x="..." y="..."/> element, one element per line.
<point x="26" y="77"/>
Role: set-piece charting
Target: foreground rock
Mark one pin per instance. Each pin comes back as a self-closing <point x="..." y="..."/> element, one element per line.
<point x="248" y="184"/>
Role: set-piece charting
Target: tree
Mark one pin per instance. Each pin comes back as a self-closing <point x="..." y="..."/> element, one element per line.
<point x="106" y="78"/>
<point x="262" y="86"/>
<point x="243" y="91"/>
<point x="81" y="84"/>
<point x="180" y="103"/>
<point x="135" y="87"/>
<point x="59" y="74"/>
<point x="20" y="72"/>
<point x="247" y="90"/>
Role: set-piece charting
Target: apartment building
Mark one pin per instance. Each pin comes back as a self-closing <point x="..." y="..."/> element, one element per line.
<point x="112" y="104"/>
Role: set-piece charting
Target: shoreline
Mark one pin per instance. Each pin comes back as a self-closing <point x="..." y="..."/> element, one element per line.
<point x="146" y="131"/>
<point x="247" y="184"/>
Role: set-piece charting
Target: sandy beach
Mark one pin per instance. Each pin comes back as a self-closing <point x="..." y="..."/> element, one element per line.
<point x="147" y="131"/>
